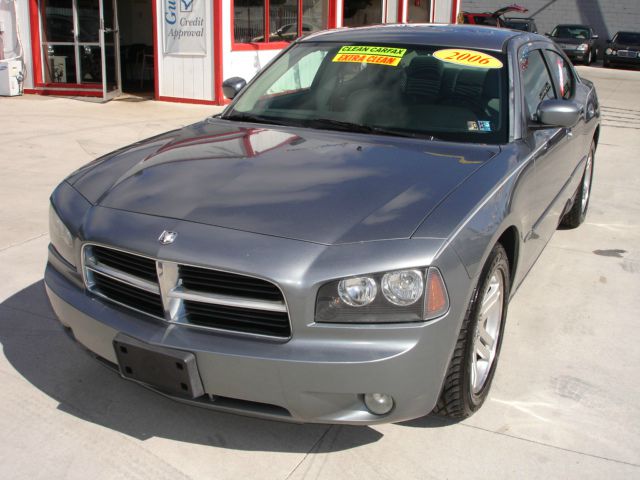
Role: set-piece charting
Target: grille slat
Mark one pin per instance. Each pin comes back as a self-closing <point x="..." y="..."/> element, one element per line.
<point x="133" y="264"/>
<point x="213" y="281"/>
<point x="212" y="287"/>
<point x="129" y="295"/>
<point x="244" y="320"/>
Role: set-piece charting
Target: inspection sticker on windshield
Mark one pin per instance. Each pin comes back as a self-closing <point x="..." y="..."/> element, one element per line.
<point x="468" y="58"/>
<point x="367" y="54"/>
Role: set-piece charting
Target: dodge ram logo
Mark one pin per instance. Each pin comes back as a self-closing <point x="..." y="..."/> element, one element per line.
<point x="167" y="237"/>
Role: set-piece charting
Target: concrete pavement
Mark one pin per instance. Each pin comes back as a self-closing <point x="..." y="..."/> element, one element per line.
<point x="564" y="402"/>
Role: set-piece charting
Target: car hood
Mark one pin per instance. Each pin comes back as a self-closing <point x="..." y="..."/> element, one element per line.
<point x="313" y="185"/>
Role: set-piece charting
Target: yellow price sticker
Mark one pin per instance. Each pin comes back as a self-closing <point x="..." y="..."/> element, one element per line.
<point x="468" y="58"/>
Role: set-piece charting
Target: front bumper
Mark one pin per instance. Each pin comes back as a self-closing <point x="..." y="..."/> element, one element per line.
<point x="578" y="55"/>
<point x="320" y="374"/>
<point x="627" y="61"/>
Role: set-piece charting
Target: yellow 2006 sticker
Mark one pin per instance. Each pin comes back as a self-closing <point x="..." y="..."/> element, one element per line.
<point x="368" y="54"/>
<point x="469" y="58"/>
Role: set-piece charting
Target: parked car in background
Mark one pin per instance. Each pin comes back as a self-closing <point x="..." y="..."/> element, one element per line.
<point x="577" y="41"/>
<point x="624" y="49"/>
<point x="524" y="24"/>
<point x="340" y="245"/>
<point x="490" y="19"/>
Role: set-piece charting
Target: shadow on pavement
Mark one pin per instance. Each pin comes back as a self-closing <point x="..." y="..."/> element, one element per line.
<point x="37" y="347"/>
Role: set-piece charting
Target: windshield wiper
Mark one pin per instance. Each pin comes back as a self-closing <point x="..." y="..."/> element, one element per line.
<point x="331" y="124"/>
<point x="247" y="117"/>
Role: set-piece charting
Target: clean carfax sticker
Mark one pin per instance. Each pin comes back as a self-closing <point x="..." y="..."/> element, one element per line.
<point x="368" y="54"/>
<point x="468" y="58"/>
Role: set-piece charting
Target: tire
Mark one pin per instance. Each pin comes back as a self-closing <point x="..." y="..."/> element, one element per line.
<point x="574" y="217"/>
<point x="587" y="59"/>
<point x="468" y="379"/>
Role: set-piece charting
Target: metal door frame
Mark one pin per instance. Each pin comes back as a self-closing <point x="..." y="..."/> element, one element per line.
<point x="106" y="93"/>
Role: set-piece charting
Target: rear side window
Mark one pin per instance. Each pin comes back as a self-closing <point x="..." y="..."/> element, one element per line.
<point x="536" y="80"/>
<point x="562" y="74"/>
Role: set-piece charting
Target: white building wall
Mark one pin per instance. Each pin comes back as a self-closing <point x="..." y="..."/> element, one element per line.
<point x="186" y="76"/>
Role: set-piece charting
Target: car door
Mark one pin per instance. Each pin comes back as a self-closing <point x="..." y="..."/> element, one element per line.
<point x="552" y="147"/>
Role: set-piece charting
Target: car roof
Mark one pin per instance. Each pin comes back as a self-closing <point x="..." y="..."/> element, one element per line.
<point x="627" y="31"/>
<point x="460" y="36"/>
<point x="573" y="25"/>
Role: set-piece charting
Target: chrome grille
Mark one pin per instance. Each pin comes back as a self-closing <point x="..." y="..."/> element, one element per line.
<point x="132" y="264"/>
<point x="185" y="294"/>
<point x="627" y="54"/>
<point x="205" y="280"/>
<point x="124" y="294"/>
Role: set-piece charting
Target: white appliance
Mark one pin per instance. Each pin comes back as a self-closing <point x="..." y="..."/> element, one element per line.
<point x="10" y="77"/>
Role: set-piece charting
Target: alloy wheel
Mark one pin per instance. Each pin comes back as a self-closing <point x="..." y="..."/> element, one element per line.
<point x="485" y="343"/>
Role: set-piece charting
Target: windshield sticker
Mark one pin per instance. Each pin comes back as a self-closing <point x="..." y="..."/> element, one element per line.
<point x="367" y="54"/>
<point x="479" y="126"/>
<point x="468" y="58"/>
<point x="484" y="125"/>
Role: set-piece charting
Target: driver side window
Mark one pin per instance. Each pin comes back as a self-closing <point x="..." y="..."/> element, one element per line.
<point x="562" y="74"/>
<point x="536" y="80"/>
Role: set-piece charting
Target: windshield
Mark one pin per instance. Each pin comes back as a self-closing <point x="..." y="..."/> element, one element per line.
<point x="426" y="92"/>
<point x="571" y="32"/>
<point x="516" y="25"/>
<point x="627" y="38"/>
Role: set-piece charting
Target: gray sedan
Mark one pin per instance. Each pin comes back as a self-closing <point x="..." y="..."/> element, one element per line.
<point x="340" y="244"/>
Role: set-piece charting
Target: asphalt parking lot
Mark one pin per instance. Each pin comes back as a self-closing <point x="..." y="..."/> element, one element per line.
<point x="565" y="400"/>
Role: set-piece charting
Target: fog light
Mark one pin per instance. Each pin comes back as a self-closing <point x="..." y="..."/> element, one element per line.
<point x="378" y="403"/>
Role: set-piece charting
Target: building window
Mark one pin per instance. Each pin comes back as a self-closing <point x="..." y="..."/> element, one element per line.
<point x="357" y="13"/>
<point x="419" y="11"/>
<point x="272" y="21"/>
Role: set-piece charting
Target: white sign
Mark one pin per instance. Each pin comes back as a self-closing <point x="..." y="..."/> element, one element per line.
<point x="183" y="23"/>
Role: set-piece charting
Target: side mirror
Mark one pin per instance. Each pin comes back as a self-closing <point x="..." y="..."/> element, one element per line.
<point x="232" y="86"/>
<point x="558" y="113"/>
<point x="608" y="40"/>
<point x="596" y="37"/>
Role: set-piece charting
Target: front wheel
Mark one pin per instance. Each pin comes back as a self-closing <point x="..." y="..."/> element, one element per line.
<point x="574" y="217"/>
<point x="587" y="58"/>
<point x="475" y="356"/>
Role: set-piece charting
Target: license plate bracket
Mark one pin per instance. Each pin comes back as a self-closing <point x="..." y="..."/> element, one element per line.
<point x="168" y="370"/>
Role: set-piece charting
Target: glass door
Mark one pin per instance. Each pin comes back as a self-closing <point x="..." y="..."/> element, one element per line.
<point x="80" y="45"/>
<point x="110" y="47"/>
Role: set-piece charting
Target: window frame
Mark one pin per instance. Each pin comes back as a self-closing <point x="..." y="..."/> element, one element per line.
<point x="278" y="45"/>
<point x="525" y="107"/>
<point x="550" y="66"/>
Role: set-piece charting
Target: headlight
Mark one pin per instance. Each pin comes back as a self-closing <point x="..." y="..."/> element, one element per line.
<point x="357" y="292"/>
<point x="403" y="288"/>
<point x="410" y="295"/>
<point x="583" y="46"/>
<point x="608" y="51"/>
<point x="60" y="236"/>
